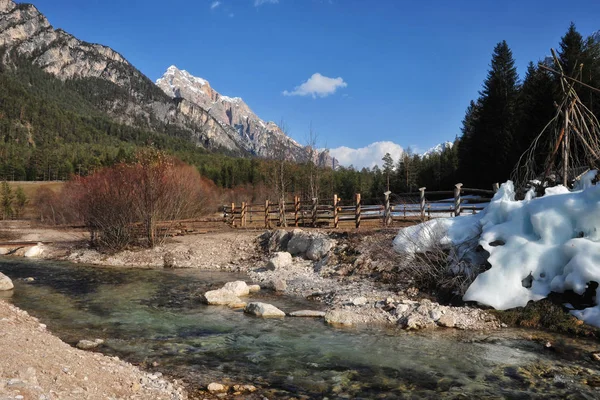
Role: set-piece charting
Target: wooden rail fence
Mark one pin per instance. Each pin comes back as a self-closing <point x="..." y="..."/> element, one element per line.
<point x="331" y="213"/>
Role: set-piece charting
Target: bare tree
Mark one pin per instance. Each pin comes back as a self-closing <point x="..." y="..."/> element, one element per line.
<point x="279" y="175"/>
<point x="312" y="155"/>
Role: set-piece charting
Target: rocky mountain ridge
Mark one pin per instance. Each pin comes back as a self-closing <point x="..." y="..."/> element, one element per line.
<point x="265" y="139"/>
<point x="128" y="96"/>
<point x="437" y="149"/>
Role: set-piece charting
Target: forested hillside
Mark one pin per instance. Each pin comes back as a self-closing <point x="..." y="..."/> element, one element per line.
<point x="52" y="128"/>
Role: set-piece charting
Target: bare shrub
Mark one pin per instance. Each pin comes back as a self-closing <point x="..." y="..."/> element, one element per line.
<point x="448" y="270"/>
<point x="54" y="208"/>
<point x="122" y="203"/>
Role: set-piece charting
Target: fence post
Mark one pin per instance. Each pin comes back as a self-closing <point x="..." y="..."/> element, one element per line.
<point x="281" y="210"/>
<point x="335" y="211"/>
<point x="233" y="214"/>
<point x="357" y="211"/>
<point x="495" y="187"/>
<point x="405" y="211"/>
<point x="387" y="213"/>
<point x="243" y="216"/>
<point x="267" y="214"/>
<point x="422" y="202"/>
<point x="314" y="211"/>
<point x="457" y="199"/>
<point x="296" y="209"/>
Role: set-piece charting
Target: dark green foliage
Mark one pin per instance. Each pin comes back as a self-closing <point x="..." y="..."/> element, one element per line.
<point x="7" y="199"/>
<point x="21" y="201"/>
<point x="534" y="112"/>
<point x="501" y="125"/>
<point x="493" y="130"/>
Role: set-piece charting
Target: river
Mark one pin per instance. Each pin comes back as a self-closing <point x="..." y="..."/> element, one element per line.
<point x="154" y="316"/>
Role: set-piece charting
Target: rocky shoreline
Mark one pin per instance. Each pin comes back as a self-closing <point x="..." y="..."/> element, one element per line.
<point x="308" y="264"/>
<point x="345" y="274"/>
<point x="38" y="365"/>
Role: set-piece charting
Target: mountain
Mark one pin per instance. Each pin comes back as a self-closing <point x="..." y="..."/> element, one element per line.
<point x="264" y="139"/>
<point x="438" y="149"/>
<point x="112" y="85"/>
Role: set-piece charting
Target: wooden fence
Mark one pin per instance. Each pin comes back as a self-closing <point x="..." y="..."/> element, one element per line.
<point x="333" y="213"/>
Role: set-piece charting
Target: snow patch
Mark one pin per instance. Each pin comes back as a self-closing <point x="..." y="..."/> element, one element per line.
<point x="536" y="245"/>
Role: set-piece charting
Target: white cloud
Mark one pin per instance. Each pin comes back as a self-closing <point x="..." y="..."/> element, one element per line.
<point x="317" y="86"/>
<point x="258" y="3"/>
<point x="215" y="4"/>
<point x="368" y="156"/>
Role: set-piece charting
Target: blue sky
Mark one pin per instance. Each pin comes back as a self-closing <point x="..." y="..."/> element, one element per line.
<point x="407" y="69"/>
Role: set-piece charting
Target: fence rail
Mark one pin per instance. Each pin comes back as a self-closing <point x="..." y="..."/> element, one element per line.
<point x="330" y="213"/>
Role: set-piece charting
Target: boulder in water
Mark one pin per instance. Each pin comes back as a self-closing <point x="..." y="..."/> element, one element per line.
<point x="5" y="283"/>
<point x="221" y="297"/>
<point x="263" y="310"/>
<point x="89" y="344"/>
<point x="35" y="251"/>
<point x="239" y="288"/>
<point x="308" y="313"/>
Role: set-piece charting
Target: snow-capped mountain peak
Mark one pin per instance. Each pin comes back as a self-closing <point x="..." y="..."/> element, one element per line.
<point x="437" y="149"/>
<point x="257" y="136"/>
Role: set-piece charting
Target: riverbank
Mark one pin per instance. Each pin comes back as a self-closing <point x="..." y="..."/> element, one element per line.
<point x="355" y="280"/>
<point x="355" y="276"/>
<point x="38" y="365"/>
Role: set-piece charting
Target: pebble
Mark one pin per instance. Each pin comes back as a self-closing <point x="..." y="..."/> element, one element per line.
<point x="215" y="387"/>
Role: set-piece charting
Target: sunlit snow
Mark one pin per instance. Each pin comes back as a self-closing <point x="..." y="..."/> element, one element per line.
<point x="536" y="246"/>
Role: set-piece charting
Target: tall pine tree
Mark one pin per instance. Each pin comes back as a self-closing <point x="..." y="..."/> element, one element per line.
<point x="535" y="110"/>
<point x="494" y="130"/>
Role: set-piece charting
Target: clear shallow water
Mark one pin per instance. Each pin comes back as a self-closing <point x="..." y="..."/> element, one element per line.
<point x="148" y="316"/>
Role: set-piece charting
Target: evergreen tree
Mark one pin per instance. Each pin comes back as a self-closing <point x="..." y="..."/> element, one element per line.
<point x="6" y="200"/>
<point x="494" y="129"/>
<point x="21" y="201"/>
<point x="536" y="109"/>
<point x="570" y="53"/>
<point x="388" y="167"/>
<point x="465" y="149"/>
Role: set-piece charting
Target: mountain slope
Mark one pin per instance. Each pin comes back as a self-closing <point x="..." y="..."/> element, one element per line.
<point x="111" y="84"/>
<point x="106" y="79"/>
<point x="257" y="136"/>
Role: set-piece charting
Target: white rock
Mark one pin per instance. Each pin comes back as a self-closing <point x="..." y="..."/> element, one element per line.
<point x="280" y="260"/>
<point x="5" y="282"/>
<point x="89" y="344"/>
<point x="402" y="309"/>
<point x="263" y="310"/>
<point x="435" y="314"/>
<point x="339" y="317"/>
<point x="359" y="301"/>
<point x="215" y="387"/>
<point x="253" y="288"/>
<point x="239" y="288"/>
<point x="221" y="297"/>
<point x="35" y="251"/>
<point x="308" y="313"/>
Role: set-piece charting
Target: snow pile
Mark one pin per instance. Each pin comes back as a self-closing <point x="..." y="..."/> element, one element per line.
<point x="535" y="246"/>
